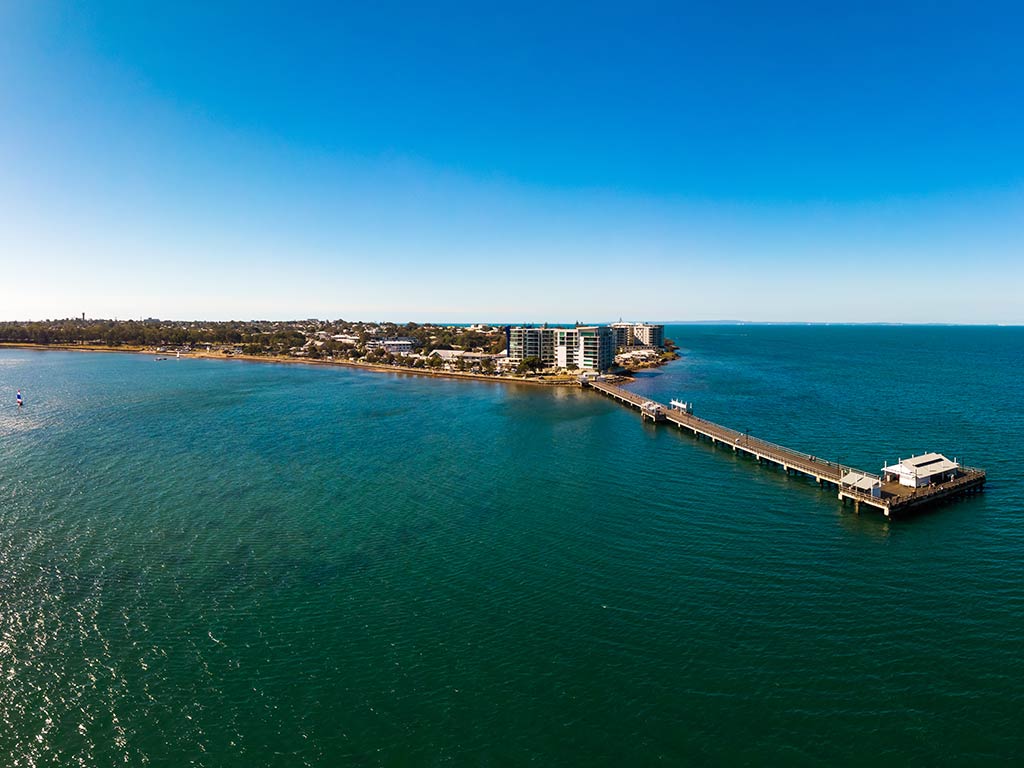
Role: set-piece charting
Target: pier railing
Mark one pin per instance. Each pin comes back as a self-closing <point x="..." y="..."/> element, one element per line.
<point x="969" y="476"/>
<point x="780" y="454"/>
<point x="768" y="449"/>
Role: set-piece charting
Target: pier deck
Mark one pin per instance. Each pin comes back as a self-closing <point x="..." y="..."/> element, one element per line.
<point x="894" y="498"/>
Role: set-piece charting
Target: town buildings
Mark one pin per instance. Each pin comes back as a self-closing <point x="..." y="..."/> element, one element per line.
<point x="397" y="346"/>
<point x="596" y="348"/>
<point x="638" y="335"/>
<point x="527" y="341"/>
<point x="584" y="347"/>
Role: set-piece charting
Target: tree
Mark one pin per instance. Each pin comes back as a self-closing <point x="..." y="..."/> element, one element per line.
<point x="531" y="363"/>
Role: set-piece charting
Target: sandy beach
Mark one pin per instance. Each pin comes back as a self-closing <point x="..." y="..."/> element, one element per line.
<point x="203" y="354"/>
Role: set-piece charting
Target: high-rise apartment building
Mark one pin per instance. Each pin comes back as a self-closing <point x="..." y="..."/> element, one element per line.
<point x="596" y="348"/>
<point x="586" y="347"/>
<point x="649" y="334"/>
<point x="638" y="335"/>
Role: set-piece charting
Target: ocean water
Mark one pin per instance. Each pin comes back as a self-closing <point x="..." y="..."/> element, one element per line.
<point x="217" y="563"/>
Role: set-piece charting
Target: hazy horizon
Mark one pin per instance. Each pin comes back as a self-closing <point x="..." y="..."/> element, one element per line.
<point x="492" y="322"/>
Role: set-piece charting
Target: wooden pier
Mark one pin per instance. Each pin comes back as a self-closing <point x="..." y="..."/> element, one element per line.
<point x="892" y="500"/>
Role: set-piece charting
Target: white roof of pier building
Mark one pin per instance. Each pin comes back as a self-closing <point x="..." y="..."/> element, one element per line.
<point x="925" y="465"/>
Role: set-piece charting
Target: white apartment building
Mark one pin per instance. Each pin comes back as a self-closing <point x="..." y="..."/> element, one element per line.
<point x="586" y="347"/>
<point x="528" y="341"/>
<point x="638" y="335"/>
<point x="596" y="350"/>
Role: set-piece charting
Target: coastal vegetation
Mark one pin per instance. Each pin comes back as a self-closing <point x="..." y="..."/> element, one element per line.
<point x="474" y="349"/>
<point x="255" y="337"/>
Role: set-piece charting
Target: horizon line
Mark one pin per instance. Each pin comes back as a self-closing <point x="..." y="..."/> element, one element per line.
<point x="723" y="321"/>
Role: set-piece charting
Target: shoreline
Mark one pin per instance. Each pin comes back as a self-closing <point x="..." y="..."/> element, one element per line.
<point x="297" y="361"/>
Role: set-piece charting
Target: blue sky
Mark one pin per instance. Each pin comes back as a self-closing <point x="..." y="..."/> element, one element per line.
<point x="450" y="161"/>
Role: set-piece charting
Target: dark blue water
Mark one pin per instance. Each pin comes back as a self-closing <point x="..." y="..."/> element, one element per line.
<point x="219" y="563"/>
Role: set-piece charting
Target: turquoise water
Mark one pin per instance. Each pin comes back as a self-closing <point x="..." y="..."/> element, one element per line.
<point x="227" y="564"/>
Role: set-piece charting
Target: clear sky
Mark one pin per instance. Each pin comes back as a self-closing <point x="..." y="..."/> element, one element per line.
<point x="537" y="161"/>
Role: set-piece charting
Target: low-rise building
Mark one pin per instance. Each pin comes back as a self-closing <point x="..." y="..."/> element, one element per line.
<point x="451" y="358"/>
<point x="398" y="346"/>
<point x="638" y="355"/>
<point x="918" y="471"/>
<point x="448" y="355"/>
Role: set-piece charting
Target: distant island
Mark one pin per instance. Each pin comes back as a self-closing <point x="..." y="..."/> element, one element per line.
<point x="542" y="353"/>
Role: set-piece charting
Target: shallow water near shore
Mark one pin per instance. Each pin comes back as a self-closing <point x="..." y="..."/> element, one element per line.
<point x="217" y="563"/>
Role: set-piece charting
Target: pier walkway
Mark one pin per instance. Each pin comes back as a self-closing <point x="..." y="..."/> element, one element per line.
<point x="893" y="498"/>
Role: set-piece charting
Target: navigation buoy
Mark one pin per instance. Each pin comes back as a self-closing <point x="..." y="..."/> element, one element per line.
<point x="18" y="398"/>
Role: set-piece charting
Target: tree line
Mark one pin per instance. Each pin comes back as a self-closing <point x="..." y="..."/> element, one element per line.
<point x="254" y="337"/>
<point x="116" y="333"/>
